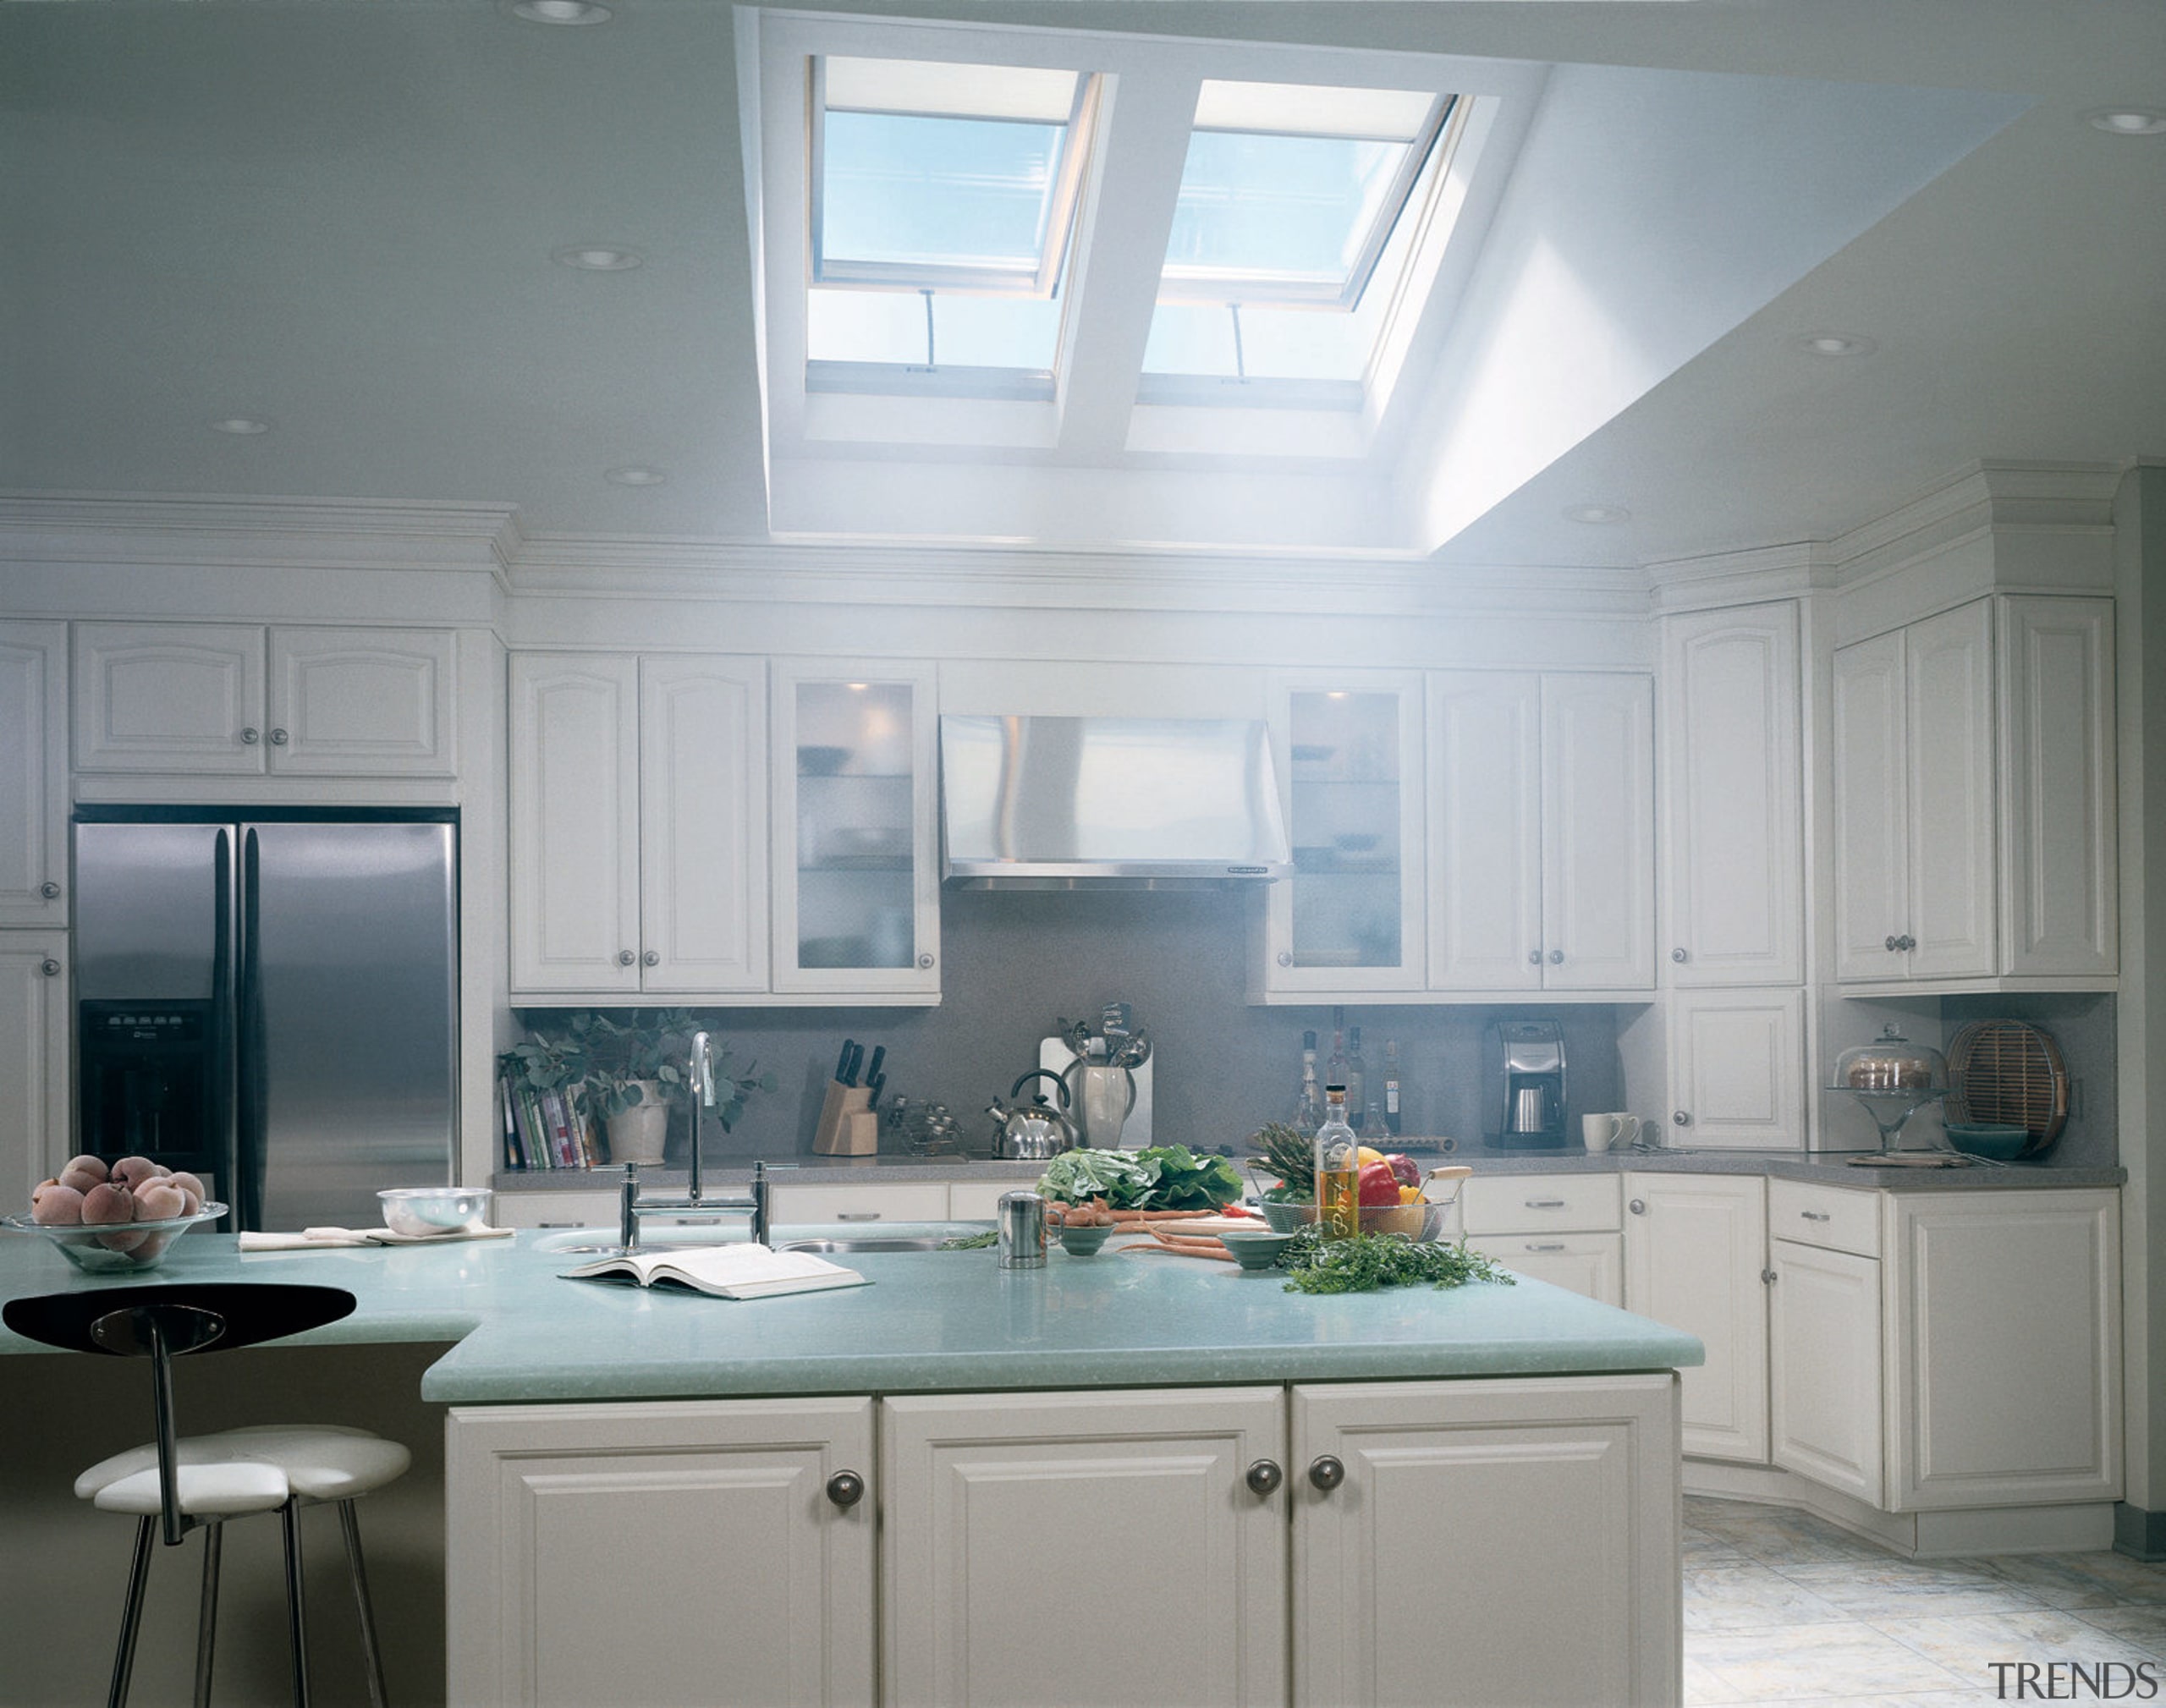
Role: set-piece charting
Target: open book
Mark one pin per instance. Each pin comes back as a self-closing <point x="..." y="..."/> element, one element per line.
<point x="742" y="1271"/>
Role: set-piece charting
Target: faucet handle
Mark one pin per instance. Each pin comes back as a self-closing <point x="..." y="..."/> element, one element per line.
<point x="701" y="1074"/>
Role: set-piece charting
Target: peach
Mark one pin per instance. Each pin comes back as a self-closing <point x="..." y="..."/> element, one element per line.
<point x="108" y="1204"/>
<point x="188" y="1182"/>
<point x="192" y="1199"/>
<point x="95" y="1166"/>
<point x="160" y="1200"/>
<point x="83" y="1174"/>
<point x="123" y="1241"/>
<point x="133" y="1171"/>
<point x="55" y="1206"/>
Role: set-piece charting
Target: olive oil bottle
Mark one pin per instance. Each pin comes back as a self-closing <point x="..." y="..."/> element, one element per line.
<point x="1338" y="1170"/>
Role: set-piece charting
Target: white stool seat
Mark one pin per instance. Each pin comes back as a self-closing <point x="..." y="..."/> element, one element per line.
<point x="317" y="1462"/>
<point x="323" y="1462"/>
<point x="206" y="1491"/>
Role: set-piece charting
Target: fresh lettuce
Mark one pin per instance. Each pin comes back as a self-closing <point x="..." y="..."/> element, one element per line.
<point x="1162" y="1177"/>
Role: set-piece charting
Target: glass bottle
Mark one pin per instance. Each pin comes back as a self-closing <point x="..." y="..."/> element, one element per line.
<point x="1338" y="1171"/>
<point x="1308" y="1101"/>
<point x="1391" y="1086"/>
<point x="1335" y="1069"/>
<point x="1356" y="1081"/>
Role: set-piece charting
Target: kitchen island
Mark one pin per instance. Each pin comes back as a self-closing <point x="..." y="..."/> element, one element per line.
<point x="1122" y="1478"/>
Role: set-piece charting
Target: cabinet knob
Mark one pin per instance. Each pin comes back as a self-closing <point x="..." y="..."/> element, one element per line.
<point x="49" y="890"/>
<point x="1679" y="957"/>
<point x="1264" y="1476"/>
<point x="924" y="961"/>
<point x="1906" y="942"/>
<point x="625" y="957"/>
<point x="1638" y="1206"/>
<point x="652" y="958"/>
<point x="1766" y="1277"/>
<point x="1683" y="1118"/>
<point x="50" y="967"/>
<point x="1327" y="1473"/>
<point x="1893" y="943"/>
<point x="1285" y="958"/>
<point x="1534" y="958"/>
<point x="251" y="736"/>
<point x="845" y="1489"/>
<point x="1556" y="958"/>
<point x="278" y="737"/>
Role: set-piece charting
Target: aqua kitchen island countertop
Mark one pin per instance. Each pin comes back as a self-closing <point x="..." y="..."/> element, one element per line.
<point x="931" y="1322"/>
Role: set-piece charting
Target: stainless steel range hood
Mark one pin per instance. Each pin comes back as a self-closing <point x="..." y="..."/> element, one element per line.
<point x="1115" y="803"/>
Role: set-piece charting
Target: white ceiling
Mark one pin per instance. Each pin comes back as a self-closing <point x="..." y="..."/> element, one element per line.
<point x="338" y="214"/>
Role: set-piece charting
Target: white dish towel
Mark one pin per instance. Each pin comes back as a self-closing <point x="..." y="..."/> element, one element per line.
<point x="316" y="1238"/>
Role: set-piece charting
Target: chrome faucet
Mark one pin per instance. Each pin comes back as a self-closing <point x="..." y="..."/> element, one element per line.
<point x="694" y="1206"/>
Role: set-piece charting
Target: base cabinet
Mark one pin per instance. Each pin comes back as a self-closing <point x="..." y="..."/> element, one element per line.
<point x="35" y="1083"/>
<point x="1824" y="1366"/>
<point x="1408" y="1542"/>
<point x="1695" y="1251"/>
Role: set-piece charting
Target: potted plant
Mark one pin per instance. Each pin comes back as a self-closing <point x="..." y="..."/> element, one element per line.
<point x="629" y="1074"/>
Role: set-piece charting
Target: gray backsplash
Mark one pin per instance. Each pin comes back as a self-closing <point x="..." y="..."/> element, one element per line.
<point x="1016" y="964"/>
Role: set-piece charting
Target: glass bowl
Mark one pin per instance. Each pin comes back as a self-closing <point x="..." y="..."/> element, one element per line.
<point x="423" y="1211"/>
<point x="116" y="1248"/>
<point x="1891" y="1063"/>
<point x="1419" y="1222"/>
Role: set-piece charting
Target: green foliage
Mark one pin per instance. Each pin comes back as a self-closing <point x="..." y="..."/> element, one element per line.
<point x="610" y="1059"/>
<point x="1158" y="1177"/>
<point x="1365" y="1262"/>
<point x="1288" y="1154"/>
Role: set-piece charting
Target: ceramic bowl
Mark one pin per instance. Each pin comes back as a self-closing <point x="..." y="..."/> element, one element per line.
<point x="1256" y="1250"/>
<point x="1085" y="1242"/>
<point x="423" y="1210"/>
<point x="1997" y="1141"/>
<point x="1285" y="1218"/>
<point x="120" y="1247"/>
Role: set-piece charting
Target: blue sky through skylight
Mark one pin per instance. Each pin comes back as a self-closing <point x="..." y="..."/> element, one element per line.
<point x="1294" y="209"/>
<point x="900" y="189"/>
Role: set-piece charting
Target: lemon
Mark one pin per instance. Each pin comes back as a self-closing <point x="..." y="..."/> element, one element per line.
<point x="1364" y="1155"/>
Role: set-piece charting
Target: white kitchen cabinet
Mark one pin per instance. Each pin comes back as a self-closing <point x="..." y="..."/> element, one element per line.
<point x="241" y="700"/>
<point x="1696" y="1253"/>
<point x="999" y="1509"/>
<point x="1732" y="791"/>
<point x="34" y="774"/>
<point x="1823" y="1342"/>
<point x="1736" y="1068"/>
<point x="36" y="1080"/>
<point x="794" y="1203"/>
<point x="1975" y="798"/>
<point x="637" y="825"/>
<point x="1561" y="1229"/>
<point x="1488" y="1542"/>
<point x="1350" y="919"/>
<point x="855" y="830"/>
<point x="1591" y="1265"/>
<point x="690" y="1552"/>
<point x="1540" y="813"/>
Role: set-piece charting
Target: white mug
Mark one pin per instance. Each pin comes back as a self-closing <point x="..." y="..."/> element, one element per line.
<point x="1602" y="1131"/>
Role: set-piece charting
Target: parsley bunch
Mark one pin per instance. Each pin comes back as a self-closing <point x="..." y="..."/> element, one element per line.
<point x="1365" y="1262"/>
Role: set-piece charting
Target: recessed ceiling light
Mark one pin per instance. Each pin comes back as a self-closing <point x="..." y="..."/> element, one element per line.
<point x="2127" y="121"/>
<point x="596" y="257"/>
<point x="240" y="427"/>
<point x="1603" y="514"/>
<point x="1836" y="344"/>
<point x="558" y="11"/>
<point x="636" y="475"/>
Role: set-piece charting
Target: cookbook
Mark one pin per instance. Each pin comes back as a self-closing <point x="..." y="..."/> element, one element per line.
<point x="726" y="1272"/>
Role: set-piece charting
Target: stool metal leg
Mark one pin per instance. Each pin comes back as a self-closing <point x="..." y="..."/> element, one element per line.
<point x="207" y="1620"/>
<point x="352" y="1528"/>
<point x="123" y="1660"/>
<point x="296" y="1622"/>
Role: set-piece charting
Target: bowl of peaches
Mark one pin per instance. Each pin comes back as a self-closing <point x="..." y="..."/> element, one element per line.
<point x="112" y="1218"/>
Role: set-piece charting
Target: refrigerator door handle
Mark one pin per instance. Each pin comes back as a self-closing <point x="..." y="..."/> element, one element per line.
<point x="224" y="1095"/>
<point x="249" y="1157"/>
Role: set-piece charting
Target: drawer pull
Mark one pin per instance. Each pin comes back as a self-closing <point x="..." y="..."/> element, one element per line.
<point x="652" y="958"/>
<point x="1534" y="958"/>
<point x="857" y="1215"/>
<point x="49" y="967"/>
<point x="1815" y="1215"/>
<point x="1768" y="1277"/>
<point x="1327" y="1473"/>
<point x="49" y="890"/>
<point x="1545" y="1204"/>
<point x="1285" y="958"/>
<point x="1264" y="1476"/>
<point x="1556" y="958"/>
<point x="279" y="737"/>
<point x="1554" y="1245"/>
<point x="1638" y="1206"/>
<point x="1683" y="1118"/>
<point x="1892" y="945"/>
<point x="845" y="1489"/>
<point x="1679" y="957"/>
<point x="250" y="735"/>
<point x="625" y="957"/>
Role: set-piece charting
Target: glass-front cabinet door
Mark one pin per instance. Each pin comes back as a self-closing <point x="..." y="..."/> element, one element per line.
<point x="857" y="870"/>
<point x="1350" y="919"/>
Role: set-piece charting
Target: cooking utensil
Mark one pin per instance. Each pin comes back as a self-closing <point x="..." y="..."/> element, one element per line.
<point x="426" y="1209"/>
<point x="851" y="1067"/>
<point x="842" y="1062"/>
<point x="1036" y="1130"/>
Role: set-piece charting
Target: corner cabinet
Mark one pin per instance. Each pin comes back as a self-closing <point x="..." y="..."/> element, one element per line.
<point x="638" y="826"/>
<point x="856" y="834"/>
<point x="1541" y="819"/>
<point x="232" y="701"/>
<point x="33" y="774"/>
<point x="1974" y="799"/>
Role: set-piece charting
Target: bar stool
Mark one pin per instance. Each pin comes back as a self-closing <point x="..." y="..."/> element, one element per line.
<point x="184" y="1483"/>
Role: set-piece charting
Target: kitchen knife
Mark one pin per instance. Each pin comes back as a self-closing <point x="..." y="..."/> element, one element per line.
<point x="872" y="1068"/>
<point x="852" y="1064"/>
<point x="875" y="1084"/>
<point x="842" y="1063"/>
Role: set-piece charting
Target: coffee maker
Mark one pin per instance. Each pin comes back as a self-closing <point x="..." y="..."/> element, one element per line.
<point x="1524" y="1086"/>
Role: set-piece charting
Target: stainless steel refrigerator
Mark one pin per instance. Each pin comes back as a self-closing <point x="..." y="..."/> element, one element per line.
<point x="270" y="1003"/>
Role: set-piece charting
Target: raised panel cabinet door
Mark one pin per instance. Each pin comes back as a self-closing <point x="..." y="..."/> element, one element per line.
<point x="1591" y="1265"/>
<point x="1949" y="709"/>
<point x="674" y="1552"/>
<point x="1105" y="1548"/>
<point x="362" y="702"/>
<point x="1491" y="1543"/>
<point x="2006" y="1330"/>
<point x="2058" y="837"/>
<point x="1695" y="1248"/>
<point x="703" y="813"/>
<point x="1598" y="832"/>
<point x="574" y="879"/>
<point x="1485" y="831"/>
<point x="1732" y="785"/>
<point x="36" y="1082"/>
<point x="33" y="774"/>
<point x="1824" y="1364"/>
<point x="1351" y="917"/>
<point x="1737" y="1067"/>
<point x="1873" y="811"/>
<point x="169" y="697"/>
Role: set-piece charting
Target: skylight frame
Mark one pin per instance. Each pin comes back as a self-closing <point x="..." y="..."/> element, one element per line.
<point x="1222" y="290"/>
<point x="1078" y="139"/>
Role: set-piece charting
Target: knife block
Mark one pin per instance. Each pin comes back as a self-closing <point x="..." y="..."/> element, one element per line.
<point x="848" y="1127"/>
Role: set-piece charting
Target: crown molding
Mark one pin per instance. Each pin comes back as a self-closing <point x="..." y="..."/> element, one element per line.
<point x="1983" y="497"/>
<point x="1726" y="578"/>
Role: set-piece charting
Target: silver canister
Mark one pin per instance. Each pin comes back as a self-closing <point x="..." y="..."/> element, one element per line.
<point x="1020" y="1217"/>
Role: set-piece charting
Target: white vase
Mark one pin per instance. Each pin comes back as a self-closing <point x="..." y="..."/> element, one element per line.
<point x="638" y="1134"/>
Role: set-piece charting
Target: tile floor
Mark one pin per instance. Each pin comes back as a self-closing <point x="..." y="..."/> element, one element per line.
<point x="1781" y="1606"/>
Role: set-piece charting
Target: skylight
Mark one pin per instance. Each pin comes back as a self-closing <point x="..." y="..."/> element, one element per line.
<point x="943" y="201"/>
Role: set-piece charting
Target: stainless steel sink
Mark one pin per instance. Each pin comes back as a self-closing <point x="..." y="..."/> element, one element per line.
<point x="875" y="1242"/>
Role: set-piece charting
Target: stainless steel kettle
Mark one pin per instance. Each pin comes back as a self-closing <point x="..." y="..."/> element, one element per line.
<point x="1033" y="1132"/>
